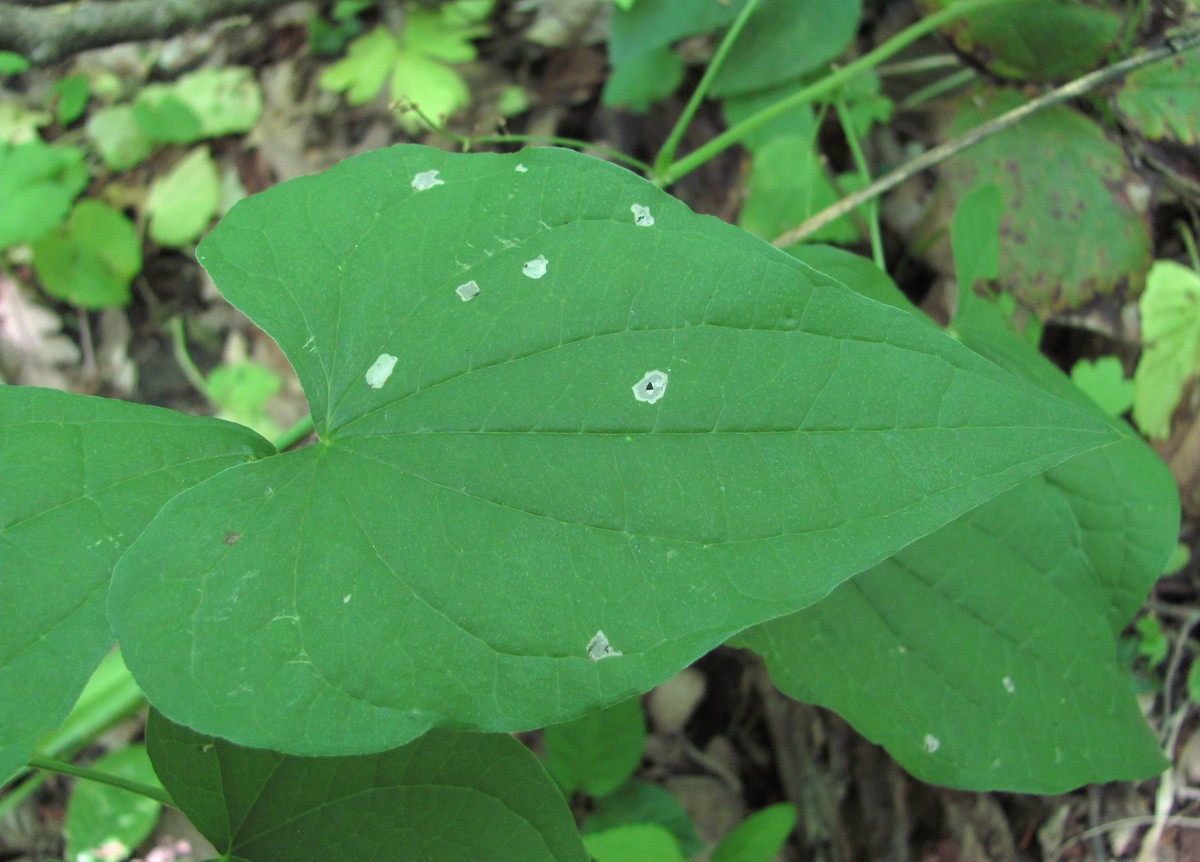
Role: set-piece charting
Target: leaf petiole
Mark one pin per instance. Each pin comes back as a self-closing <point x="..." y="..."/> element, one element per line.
<point x="49" y="764"/>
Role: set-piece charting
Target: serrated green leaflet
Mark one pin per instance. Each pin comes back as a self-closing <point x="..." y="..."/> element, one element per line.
<point x="446" y="797"/>
<point x="84" y="475"/>
<point x="510" y="519"/>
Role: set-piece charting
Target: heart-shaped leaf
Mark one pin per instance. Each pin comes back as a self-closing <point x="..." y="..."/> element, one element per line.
<point x="86" y="475"/>
<point x="572" y="437"/>
<point x="446" y="797"/>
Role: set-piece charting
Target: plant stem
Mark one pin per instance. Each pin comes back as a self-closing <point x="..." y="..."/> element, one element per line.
<point x="864" y="171"/>
<point x="184" y="359"/>
<point x="940" y="153"/>
<point x="816" y="90"/>
<point x="937" y="88"/>
<point x="295" y="434"/>
<point x="63" y="768"/>
<point x="667" y="154"/>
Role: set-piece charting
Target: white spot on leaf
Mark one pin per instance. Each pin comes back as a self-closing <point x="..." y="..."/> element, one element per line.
<point x="932" y="743"/>
<point x="378" y="374"/>
<point x="651" y="387"/>
<point x="346" y="599"/>
<point x="641" y="215"/>
<point x="467" y="292"/>
<point x="599" y="647"/>
<point x="426" y="180"/>
<point x="520" y="169"/>
<point x="1009" y="686"/>
<point x="536" y="268"/>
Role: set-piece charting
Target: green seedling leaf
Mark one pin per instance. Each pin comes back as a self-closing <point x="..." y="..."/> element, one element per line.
<point x="207" y="103"/>
<point x="164" y="118"/>
<point x="788" y="183"/>
<point x="636" y="842"/>
<point x="1105" y="383"/>
<point x="759" y="837"/>
<point x="446" y="797"/>
<point x="1170" y="310"/>
<point x="597" y="752"/>
<point x="70" y="96"/>
<point x="1042" y="705"/>
<point x="37" y="184"/>
<point x="1151" y="642"/>
<point x="91" y="259"/>
<point x="782" y="41"/>
<point x="1039" y="40"/>
<point x="241" y="391"/>
<point x="572" y="436"/>
<point x="12" y="63"/>
<point x="183" y="201"/>
<point x="118" y="137"/>
<point x="1074" y="223"/>
<point x="97" y="471"/>
<point x="1162" y="101"/>
<point x="417" y="62"/>
<point x="642" y="802"/>
<point x="367" y="64"/>
<point x="101" y="818"/>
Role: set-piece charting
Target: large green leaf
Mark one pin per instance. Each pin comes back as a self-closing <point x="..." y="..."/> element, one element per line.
<point x="509" y="520"/>
<point x="446" y="797"/>
<point x="1162" y="100"/>
<point x="984" y="655"/>
<point x="84" y="476"/>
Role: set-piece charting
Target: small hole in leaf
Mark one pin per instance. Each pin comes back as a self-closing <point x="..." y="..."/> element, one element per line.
<point x="535" y="268"/>
<point x="232" y="538"/>
<point x="651" y="387"/>
<point x="381" y="370"/>
<point x="641" y="215"/>
<point x="599" y="648"/>
<point x="426" y="180"/>
<point x="932" y="743"/>
<point x="467" y="292"/>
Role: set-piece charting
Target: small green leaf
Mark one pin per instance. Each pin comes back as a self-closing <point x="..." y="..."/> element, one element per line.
<point x="788" y="184"/>
<point x="207" y="103"/>
<point x="433" y="87"/>
<point x="1105" y="383"/>
<point x="759" y="837"/>
<point x="1170" y="309"/>
<point x="91" y="260"/>
<point x="643" y="802"/>
<point x="446" y="797"/>
<point x="119" y="138"/>
<point x="12" y="63"/>
<point x="367" y="64"/>
<point x="1162" y="101"/>
<point x="1152" y="643"/>
<point x="38" y="182"/>
<point x="1193" y="682"/>
<point x="99" y="814"/>
<point x="637" y="842"/>
<point x="598" y="751"/>
<point x="182" y="202"/>
<point x="97" y="471"/>
<point x="241" y="391"/>
<point x="71" y="97"/>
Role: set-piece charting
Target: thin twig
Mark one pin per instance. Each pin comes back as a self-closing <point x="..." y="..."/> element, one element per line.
<point x="940" y="153"/>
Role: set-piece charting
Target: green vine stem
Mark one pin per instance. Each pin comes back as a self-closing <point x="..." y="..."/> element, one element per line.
<point x="295" y="434"/>
<point x="831" y="82"/>
<point x="49" y="764"/>
<point x="666" y="155"/>
<point x="864" y="171"/>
